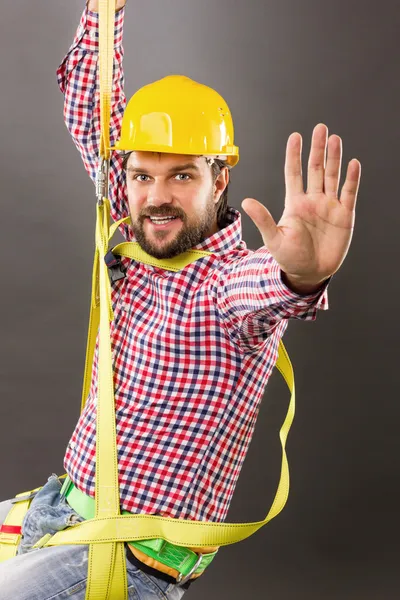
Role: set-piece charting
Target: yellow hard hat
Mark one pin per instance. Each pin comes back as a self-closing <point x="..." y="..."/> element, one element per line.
<point x="179" y="116"/>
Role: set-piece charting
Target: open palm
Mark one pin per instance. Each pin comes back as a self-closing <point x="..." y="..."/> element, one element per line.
<point x="314" y="233"/>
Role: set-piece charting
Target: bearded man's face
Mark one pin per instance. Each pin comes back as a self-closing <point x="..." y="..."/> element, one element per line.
<point x="172" y="185"/>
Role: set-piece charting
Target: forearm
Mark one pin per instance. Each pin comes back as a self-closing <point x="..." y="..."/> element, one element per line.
<point x="78" y="81"/>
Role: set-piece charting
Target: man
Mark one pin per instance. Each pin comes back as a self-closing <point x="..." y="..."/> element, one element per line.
<point x="192" y="350"/>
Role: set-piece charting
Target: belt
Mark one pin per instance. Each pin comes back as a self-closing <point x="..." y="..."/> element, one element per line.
<point x="184" y="560"/>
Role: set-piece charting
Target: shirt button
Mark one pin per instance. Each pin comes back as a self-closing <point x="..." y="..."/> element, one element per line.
<point x="92" y="34"/>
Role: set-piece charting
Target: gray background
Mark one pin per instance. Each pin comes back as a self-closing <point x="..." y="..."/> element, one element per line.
<point x="282" y="66"/>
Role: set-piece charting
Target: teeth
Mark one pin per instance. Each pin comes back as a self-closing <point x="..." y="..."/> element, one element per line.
<point x="162" y="220"/>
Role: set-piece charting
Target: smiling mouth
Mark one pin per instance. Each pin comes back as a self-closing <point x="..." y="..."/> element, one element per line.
<point x="162" y="223"/>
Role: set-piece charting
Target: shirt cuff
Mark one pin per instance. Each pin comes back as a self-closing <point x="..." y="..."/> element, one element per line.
<point x="87" y="35"/>
<point x="301" y="302"/>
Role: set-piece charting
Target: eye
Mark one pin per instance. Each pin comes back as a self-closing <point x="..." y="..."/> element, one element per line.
<point x="184" y="175"/>
<point x="137" y="177"/>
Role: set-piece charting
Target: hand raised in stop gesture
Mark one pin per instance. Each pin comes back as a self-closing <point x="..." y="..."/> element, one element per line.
<point x="313" y="236"/>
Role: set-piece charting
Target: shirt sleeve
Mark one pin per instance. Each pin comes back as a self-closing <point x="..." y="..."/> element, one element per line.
<point x="253" y="299"/>
<point x="78" y="80"/>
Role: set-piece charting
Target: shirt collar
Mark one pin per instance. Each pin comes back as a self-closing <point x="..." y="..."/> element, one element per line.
<point x="228" y="238"/>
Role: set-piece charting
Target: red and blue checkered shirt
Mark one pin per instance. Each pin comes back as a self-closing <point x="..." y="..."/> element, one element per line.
<point x="192" y="350"/>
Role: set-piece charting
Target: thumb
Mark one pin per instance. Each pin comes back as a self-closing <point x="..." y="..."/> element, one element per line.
<point x="262" y="218"/>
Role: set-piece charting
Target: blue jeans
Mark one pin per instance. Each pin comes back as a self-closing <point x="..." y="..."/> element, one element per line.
<point x="60" y="572"/>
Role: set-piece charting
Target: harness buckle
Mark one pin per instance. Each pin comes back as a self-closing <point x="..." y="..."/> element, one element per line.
<point x="180" y="580"/>
<point x="116" y="269"/>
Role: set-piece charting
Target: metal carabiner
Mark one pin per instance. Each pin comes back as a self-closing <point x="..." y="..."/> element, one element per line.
<point x="102" y="180"/>
<point x="181" y="580"/>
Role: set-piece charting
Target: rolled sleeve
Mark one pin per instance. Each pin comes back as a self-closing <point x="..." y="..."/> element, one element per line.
<point x="89" y="39"/>
<point x="298" y="306"/>
<point x="253" y="298"/>
<point x="86" y="39"/>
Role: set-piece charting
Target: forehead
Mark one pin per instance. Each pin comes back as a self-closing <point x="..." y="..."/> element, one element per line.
<point x="164" y="162"/>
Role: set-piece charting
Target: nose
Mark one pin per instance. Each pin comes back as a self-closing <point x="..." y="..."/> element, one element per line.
<point x="159" y="194"/>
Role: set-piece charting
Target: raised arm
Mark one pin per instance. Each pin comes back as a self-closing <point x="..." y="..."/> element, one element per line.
<point x="288" y="276"/>
<point x="77" y="78"/>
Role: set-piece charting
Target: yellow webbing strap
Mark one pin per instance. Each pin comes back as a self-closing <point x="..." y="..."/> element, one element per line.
<point x="141" y="526"/>
<point x="106" y="562"/>
<point x="9" y="541"/>
<point x="177" y="263"/>
<point x="106" y="65"/>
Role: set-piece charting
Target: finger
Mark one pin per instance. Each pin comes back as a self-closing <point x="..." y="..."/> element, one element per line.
<point x="351" y="185"/>
<point x="316" y="161"/>
<point x="293" y="171"/>
<point x="333" y="166"/>
<point x="262" y="219"/>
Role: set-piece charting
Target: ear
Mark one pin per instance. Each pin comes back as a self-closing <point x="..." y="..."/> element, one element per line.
<point x="220" y="183"/>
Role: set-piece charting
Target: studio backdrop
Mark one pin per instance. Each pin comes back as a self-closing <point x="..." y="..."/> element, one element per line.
<point x="282" y="66"/>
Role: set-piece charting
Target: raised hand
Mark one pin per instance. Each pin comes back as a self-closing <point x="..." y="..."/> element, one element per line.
<point x="313" y="236"/>
<point x="93" y="5"/>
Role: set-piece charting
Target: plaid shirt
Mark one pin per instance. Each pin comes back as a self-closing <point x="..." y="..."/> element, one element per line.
<point x="192" y="350"/>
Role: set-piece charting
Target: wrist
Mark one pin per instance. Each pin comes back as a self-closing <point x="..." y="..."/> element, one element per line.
<point x="300" y="285"/>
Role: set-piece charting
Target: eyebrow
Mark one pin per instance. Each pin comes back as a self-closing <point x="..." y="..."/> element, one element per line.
<point x="185" y="167"/>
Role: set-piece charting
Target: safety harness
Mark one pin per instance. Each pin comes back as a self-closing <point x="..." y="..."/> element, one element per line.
<point x="107" y="528"/>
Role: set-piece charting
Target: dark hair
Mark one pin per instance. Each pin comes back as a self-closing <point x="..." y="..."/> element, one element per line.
<point x="216" y="168"/>
<point x="222" y="204"/>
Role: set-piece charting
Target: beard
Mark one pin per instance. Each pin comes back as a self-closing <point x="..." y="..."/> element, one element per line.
<point x="190" y="233"/>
